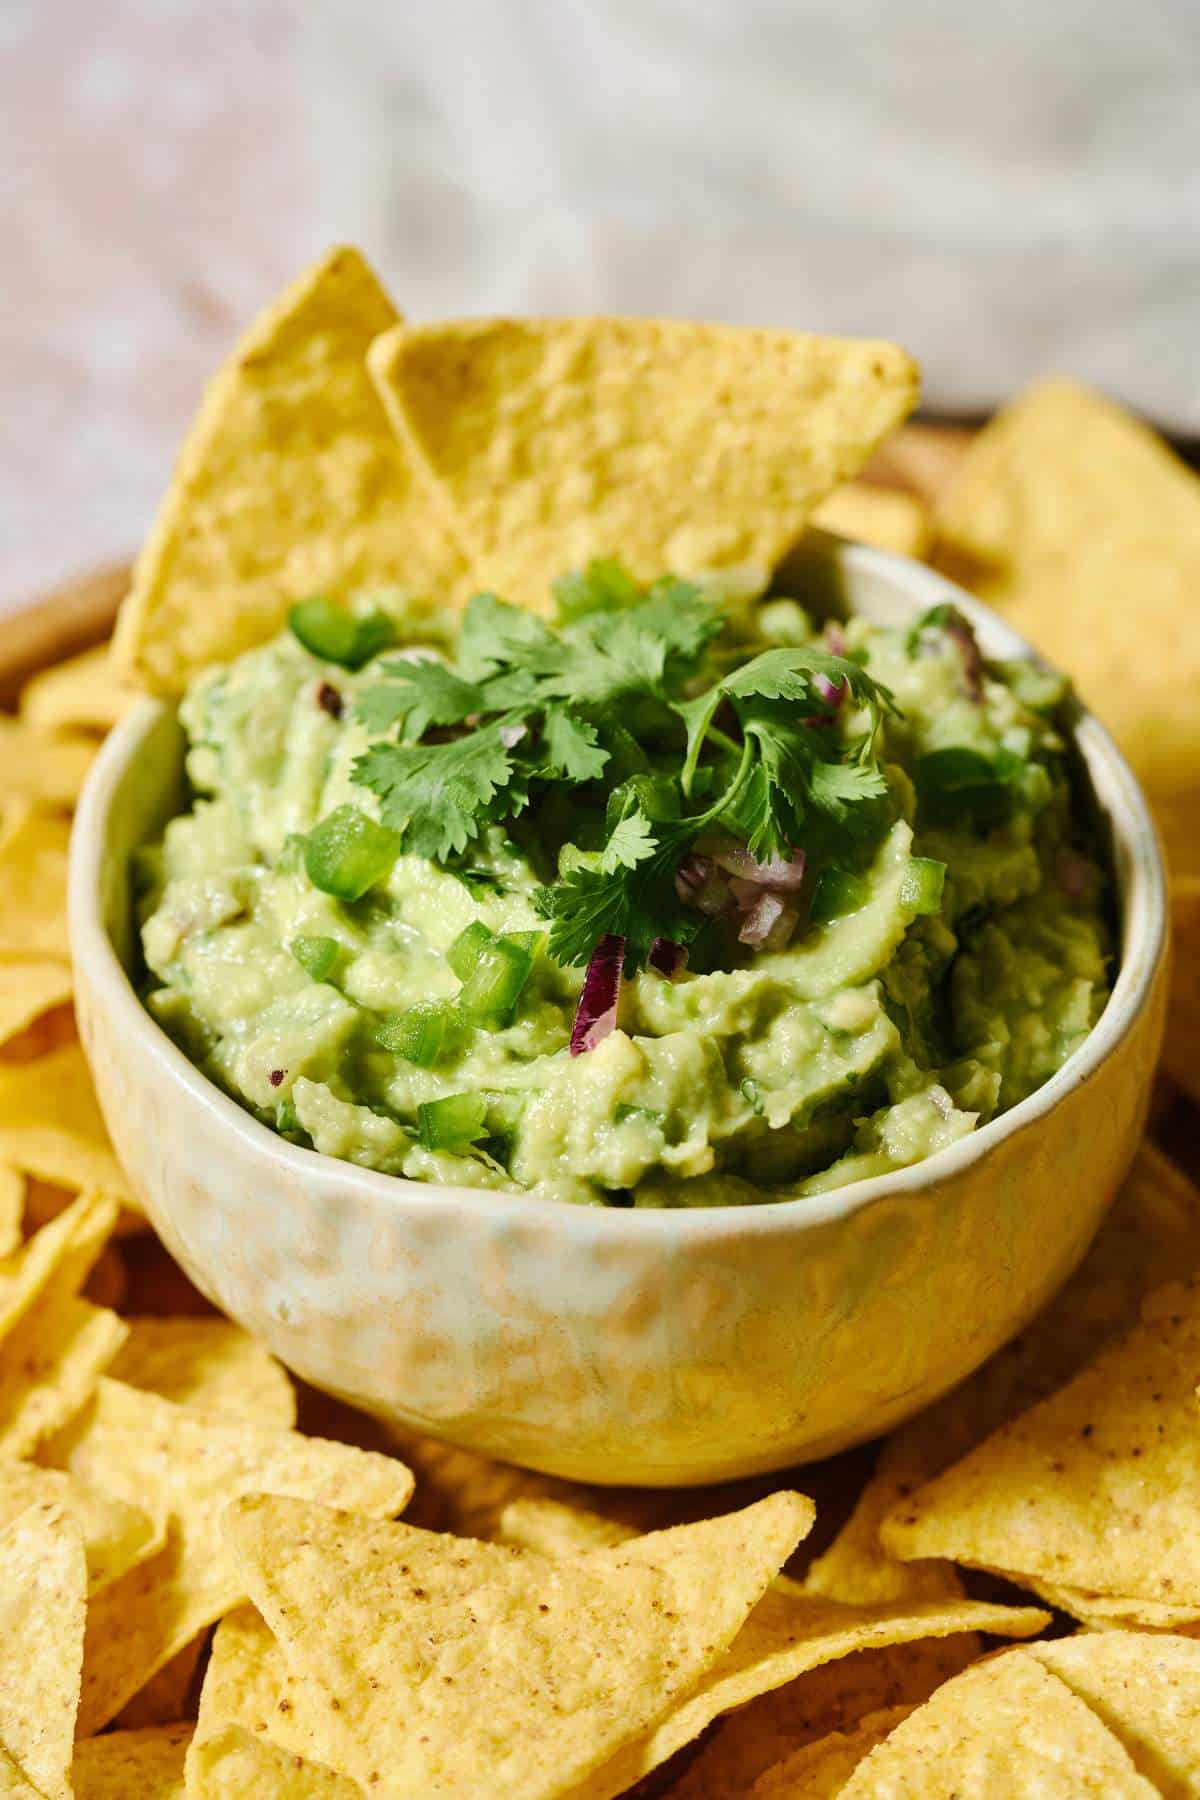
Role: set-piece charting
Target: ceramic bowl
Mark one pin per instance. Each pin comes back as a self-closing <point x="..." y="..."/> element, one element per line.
<point x="618" y="1345"/>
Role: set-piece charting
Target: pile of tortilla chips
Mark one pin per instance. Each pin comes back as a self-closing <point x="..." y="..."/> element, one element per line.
<point x="200" y="1598"/>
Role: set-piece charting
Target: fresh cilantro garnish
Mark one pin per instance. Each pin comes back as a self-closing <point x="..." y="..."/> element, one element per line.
<point x="615" y="728"/>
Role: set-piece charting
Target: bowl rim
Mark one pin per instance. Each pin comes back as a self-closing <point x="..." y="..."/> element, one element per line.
<point x="1144" y="908"/>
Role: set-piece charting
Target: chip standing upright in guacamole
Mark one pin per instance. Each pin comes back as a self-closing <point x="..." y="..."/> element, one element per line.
<point x="666" y="902"/>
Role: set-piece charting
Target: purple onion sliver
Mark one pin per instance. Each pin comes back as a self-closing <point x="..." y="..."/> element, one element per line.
<point x="784" y="873"/>
<point x="964" y="637"/>
<point x="667" y="957"/>
<point x="596" y="1014"/>
<point x="763" y="916"/>
<point x="831" y="692"/>
<point x="1076" y="875"/>
<point x="834" y="639"/>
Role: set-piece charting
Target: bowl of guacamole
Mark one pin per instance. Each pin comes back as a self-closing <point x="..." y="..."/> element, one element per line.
<point x="676" y="898"/>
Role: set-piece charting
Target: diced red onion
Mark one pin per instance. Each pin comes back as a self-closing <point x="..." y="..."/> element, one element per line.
<point x="964" y="637"/>
<point x="832" y="692"/>
<point x="1076" y="875"/>
<point x="783" y="873"/>
<point x="835" y="640"/>
<point x="667" y="956"/>
<point x="769" y="923"/>
<point x="511" y="735"/>
<point x="699" y="883"/>
<point x="596" y="1014"/>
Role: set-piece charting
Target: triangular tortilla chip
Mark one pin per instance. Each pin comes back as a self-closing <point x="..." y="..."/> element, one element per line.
<point x="821" y="1770"/>
<point x="139" y="1446"/>
<point x="1146" y="1690"/>
<point x="209" y="1364"/>
<point x="1078" y="524"/>
<point x="170" y="1692"/>
<point x="43" y="1580"/>
<point x="787" y="1634"/>
<point x="84" y="693"/>
<point x="233" y="1764"/>
<point x="116" y="1534"/>
<point x="51" y="1125"/>
<point x="61" y="1255"/>
<point x="885" y="517"/>
<point x="437" y="1661"/>
<point x="1007" y="1727"/>
<point x="289" y="484"/>
<point x="49" y="1366"/>
<point x="676" y="447"/>
<point x="33" y="884"/>
<point x="29" y="987"/>
<point x="835" y="1696"/>
<point x="1106" y="1612"/>
<point x="1095" y="1487"/>
<point x="133" y="1765"/>
<point x="12" y="1210"/>
<point x="45" y="768"/>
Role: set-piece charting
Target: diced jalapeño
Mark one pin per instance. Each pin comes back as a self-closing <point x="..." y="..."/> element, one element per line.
<point x="317" y="956"/>
<point x="837" y="892"/>
<point x="452" y="1123"/>
<point x="336" y="636"/>
<point x="465" y="951"/>
<point x="490" y="992"/>
<point x="421" y="1034"/>
<point x="922" y="884"/>
<point x="348" y="852"/>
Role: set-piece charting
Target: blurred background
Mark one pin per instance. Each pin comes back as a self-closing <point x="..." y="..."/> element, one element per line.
<point x="1005" y="189"/>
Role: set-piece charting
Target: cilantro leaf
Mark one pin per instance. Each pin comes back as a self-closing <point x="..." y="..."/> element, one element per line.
<point x="419" y="694"/>
<point x="439" y="796"/>
<point x="630" y="842"/>
<point x="571" y="746"/>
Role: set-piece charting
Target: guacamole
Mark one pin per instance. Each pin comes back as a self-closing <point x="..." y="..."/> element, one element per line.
<point x="668" y="902"/>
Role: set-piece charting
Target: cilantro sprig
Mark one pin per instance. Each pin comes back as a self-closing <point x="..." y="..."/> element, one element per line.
<point x="623" y="705"/>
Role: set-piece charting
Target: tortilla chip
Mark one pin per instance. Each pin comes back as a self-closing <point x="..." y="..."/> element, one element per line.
<point x="30" y="987"/>
<point x="1147" y="1692"/>
<point x="13" y="1785"/>
<point x="33" y="884"/>
<point x="116" y="1534"/>
<point x="820" y="1771"/>
<point x="61" y="1255"/>
<point x="1151" y="1234"/>
<point x="676" y="447"/>
<point x="84" y="693"/>
<point x="234" y="1764"/>
<point x="133" y="1765"/>
<point x="857" y="1570"/>
<point x="49" y="1366"/>
<point x="43" y="1579"/>
<point x="244" y="1675"/>
<point x="787" y="1634"/>
<point x="209" y="1364"/>
<point x="143" y="1448"/>
<point x="1078" y="524"/>
<point x="884" y="517"/>
<point x="12" y="1210"/>
<point x="290" y="483"/>
<point x="44" y="768"/>
<point x="1096" y="1486"/>
<point x="573" y="1658"/>
<point x="51" y="1125"/>
<point x="1181" y="1047"/>
<point x="835" y="1696"/>
<point x="1108" y="1612"/>
<point x="1006" y="1727"/>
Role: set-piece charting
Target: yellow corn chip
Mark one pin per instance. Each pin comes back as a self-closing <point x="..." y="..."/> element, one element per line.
<point x="13" y="1785"/>
<point x="434" y="1660"/>
<point x="143" y="1448"/>
<point x="45" y="768"/>
<point x="43" y="1578"/>
<point x="1106" y="1612"/>
<point x="33" y="884"/>
<point x="133" y="1765"/>
<point x="1146" y="1690"/>
<point x="244" y="1675"/>
<point x="787" y="1634"/>
<point x="62" y="1252"/>
<point x="820" y="1771"/>
<point x="1077" y="523"/>
<point x="116" y="1534"/>
<point x="290" y="483"/>
<point x="30" y="987"/>
<point x="885" y="517"/>
<point x="49" y="1366"/>
<point x="233" y="1765"/>
<point x="1181" y="1048"/>
<point x="1005" y="1728"/>
<point x="677" y="447"/>
<point x="84" y="693"/>
<point x="209" y="1364"/>
<point x="834" y="1696"/>
<point x="51" y="1125"/>
<point x="12" y="1210"/>
<point x="857" y="1570"/>
<point x="1093" y="1488"/>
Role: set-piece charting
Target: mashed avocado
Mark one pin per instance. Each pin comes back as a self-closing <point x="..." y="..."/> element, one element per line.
<point x="832" y="882"/>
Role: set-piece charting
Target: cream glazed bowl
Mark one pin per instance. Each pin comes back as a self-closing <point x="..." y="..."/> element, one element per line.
<point x="616" y="1345"/>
